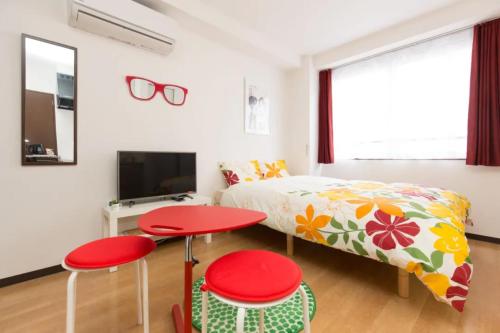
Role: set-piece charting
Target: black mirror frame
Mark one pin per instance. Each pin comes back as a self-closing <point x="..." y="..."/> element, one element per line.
<point x="23" y="97"/>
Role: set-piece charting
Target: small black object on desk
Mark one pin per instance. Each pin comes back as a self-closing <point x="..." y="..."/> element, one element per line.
<point x="181" y="197"/>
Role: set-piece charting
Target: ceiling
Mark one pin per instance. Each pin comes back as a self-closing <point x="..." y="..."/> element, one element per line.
<point x="312" y="26"/>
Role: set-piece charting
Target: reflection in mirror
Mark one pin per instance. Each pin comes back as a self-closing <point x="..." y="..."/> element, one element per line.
<point x="49" y="108"/>
<point x="174" y="94"/>
<point x="142" y="89"/>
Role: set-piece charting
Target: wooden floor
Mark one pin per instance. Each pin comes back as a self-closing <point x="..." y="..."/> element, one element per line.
<point x="353" y="294"/>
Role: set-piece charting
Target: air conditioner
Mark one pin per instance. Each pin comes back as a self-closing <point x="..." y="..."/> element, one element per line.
<point x="126" y="21"/>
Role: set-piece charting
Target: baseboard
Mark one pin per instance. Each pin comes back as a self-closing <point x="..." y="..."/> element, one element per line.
<point x="30" y="275"/>
<point x="488" y="239"/>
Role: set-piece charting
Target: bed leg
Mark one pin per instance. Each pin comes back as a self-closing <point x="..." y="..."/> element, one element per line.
<point x="289" y="245"/>
<point x="403" y="283"/>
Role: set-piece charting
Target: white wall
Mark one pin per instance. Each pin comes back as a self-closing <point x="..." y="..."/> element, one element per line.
<point x="47" y="211"/>
<point x="298" y="119"/>
<point x="41" y="75"/>
<point x="480" y="184"/>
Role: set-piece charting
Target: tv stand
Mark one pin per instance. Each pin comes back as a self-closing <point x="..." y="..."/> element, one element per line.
<point x="111" y="216"/>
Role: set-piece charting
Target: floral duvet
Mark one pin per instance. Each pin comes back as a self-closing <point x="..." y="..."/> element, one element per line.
<point x="416" y="228"/>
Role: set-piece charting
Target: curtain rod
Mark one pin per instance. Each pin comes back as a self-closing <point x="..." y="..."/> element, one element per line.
<point x="412" y="44"/>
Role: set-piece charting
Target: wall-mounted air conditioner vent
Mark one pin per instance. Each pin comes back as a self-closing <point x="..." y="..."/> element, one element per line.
<point x="125" y="21"/>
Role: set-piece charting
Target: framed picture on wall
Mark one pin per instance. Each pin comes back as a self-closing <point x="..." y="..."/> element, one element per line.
<point x="256" y="109"/>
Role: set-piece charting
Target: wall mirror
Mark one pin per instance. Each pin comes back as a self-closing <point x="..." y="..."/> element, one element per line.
<point x="49" y="90"/>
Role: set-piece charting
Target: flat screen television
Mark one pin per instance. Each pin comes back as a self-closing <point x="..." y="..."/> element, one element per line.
<point x="146" y="176"/>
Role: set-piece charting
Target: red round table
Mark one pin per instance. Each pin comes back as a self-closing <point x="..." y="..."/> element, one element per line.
<point x="188" y="221"/>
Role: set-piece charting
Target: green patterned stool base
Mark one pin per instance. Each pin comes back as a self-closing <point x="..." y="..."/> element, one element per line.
<point x="284" y="318"/>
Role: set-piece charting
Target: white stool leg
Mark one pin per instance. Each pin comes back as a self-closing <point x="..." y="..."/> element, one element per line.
<point x="204" y="312"/>
<point x="240" y="320"/>
<point x="145" y="296"/>
<point x="261" y="320"/>
<point x="305" y="310"/>
<point x="139" y="291"/>
<point x="71" y="303"/>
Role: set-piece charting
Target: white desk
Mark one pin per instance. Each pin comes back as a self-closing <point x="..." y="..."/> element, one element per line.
<point x="111" y="216"/>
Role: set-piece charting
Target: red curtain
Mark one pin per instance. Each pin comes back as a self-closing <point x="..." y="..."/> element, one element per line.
<point x="483" y="138"/>
<point x="325" y="137"/>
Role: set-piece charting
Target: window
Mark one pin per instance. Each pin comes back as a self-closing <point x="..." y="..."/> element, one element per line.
<point x="411" y="103"/>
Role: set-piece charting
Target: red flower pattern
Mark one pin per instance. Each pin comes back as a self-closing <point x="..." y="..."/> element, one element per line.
<point x="387" y="232"/>
<point x="231" y="177"/>
<point x="458" y="294"/>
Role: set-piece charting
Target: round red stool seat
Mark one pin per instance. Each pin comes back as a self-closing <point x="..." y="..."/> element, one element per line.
<point x="253" y="276"/>
<point x="109" y="252"/>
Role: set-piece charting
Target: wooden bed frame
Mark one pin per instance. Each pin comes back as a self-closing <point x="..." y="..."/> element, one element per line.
<point x="403" y="275"/>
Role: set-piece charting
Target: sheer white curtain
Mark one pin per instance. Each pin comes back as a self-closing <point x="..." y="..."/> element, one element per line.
<point x="408" y="104"/>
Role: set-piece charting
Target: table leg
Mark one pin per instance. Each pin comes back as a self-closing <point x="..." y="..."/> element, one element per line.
<point x="188" y="297"/>
<point x="184" y="325"/>
<point x="178" y="321"/>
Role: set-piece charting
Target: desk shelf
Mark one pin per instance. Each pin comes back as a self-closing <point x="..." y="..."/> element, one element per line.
<point x="111" y="216"/>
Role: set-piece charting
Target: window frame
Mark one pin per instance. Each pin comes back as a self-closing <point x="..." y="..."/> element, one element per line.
<point x="394" y="50"/>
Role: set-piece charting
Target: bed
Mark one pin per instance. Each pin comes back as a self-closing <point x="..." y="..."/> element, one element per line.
<point x="420" y="230"/>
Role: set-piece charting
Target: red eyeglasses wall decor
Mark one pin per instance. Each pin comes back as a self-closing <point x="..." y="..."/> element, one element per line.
<point x="145" y="89"/>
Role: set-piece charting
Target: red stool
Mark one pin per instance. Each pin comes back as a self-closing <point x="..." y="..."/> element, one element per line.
<point x="103" y="254"/>
<point x="253" y="279"/>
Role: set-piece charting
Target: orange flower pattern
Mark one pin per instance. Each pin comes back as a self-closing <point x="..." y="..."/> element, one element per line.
<point x="310" y="225"/>
<point x="273" y="170"/>
<point x="387" y="205"/>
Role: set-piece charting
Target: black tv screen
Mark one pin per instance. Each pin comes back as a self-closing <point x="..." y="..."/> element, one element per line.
<point x="154" y="174"/>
